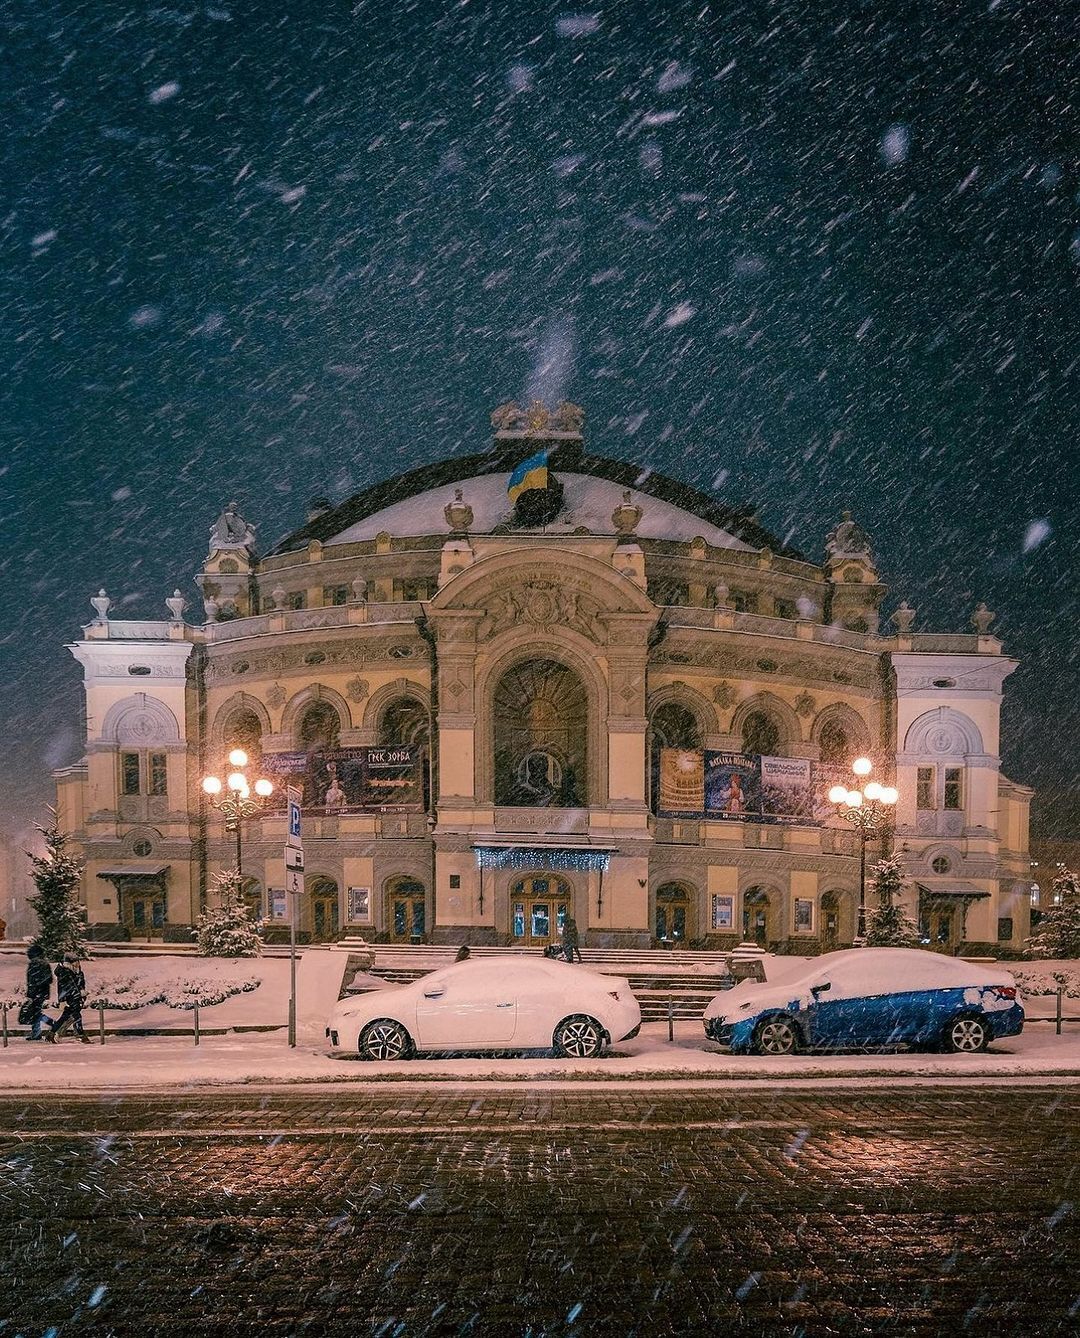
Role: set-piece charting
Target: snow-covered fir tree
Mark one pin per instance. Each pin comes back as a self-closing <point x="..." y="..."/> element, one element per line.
<point x="888" y="925"/>
<point x="1058" y="932"/>
<point x="61" y="916"/>
<point x="227" y="929"/>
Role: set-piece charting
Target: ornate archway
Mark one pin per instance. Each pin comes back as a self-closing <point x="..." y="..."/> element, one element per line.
<point x="541" y="724"/>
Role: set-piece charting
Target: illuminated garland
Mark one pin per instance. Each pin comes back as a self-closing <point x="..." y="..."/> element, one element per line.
<point x="542" y="857"/>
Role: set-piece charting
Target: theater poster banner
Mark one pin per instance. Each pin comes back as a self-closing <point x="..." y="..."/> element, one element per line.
<point x="351" y="780"/>
<point x="696" y="783"/>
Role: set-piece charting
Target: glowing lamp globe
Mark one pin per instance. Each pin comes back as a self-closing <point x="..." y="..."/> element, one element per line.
<point x="211" y="785"/>
<point x="237" y="781"/>
<point x="873" y="790"/>
<point x="853" y="799"/>
<point x="862" y="766"/>
<point x="238" y="758"/>
<point x="889" y="794"/>
<point x="263" y="788"/>
<point x="838" y="794"/>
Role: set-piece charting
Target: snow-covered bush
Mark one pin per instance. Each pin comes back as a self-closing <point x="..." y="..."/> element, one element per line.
<point x="124" y="993"/>
<point x="888" y="925"/>
<point x="227" y="929"/>
<point x="1057" y="934"/>
<point x="205" y="993"/>
<point x="1034" y="980"/>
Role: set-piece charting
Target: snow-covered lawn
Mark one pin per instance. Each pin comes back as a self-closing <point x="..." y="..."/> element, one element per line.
<point x="129" y="1062"/>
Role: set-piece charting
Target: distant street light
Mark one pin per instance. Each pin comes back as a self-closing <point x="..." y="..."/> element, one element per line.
<point x="869" y="811"/>
<point x="237" y="801"/>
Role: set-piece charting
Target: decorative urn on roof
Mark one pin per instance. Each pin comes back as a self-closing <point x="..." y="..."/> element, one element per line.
<point x="102" y="604"/>
<point x="458" y="513"/>
<point x="626" y="516"/>
<point x="982" y="618"/>
<point x="231" y="530"/>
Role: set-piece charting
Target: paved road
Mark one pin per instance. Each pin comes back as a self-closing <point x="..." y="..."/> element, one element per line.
<point x="433" y="1210"/>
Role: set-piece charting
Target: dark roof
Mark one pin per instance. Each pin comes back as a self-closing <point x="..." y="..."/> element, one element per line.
<point x="503" y="458"/>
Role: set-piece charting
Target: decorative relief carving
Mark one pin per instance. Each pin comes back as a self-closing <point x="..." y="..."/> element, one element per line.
<point x="805" y="667"/>
<point x="543" y="604"/>
<point x="356" y="689"/>
<point x="804" y="705"/>
<point x="288" y="658"/>
<point x="725" y="695"/>
<point x="275" y="696"/>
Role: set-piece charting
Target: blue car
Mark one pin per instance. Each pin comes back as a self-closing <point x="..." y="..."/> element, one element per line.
<point x="864" y="998"/>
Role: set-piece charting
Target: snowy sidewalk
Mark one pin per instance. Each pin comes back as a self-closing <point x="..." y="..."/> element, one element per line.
<point x="236" y="1059"/>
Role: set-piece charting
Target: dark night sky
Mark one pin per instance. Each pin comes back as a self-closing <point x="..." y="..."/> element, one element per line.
<point x="809" y="255"/>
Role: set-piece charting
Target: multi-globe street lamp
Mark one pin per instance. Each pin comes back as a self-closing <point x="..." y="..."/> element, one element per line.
<point x="234" y="799"/>
<point x="869" y="811"/>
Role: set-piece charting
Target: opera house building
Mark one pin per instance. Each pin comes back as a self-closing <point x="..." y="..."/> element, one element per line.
<point x="536" y="682"/>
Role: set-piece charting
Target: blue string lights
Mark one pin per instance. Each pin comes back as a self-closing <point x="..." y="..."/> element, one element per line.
<point x="542" y="857"/>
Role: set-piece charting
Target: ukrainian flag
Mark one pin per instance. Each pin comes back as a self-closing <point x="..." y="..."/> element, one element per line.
<point x="531" y="473"/>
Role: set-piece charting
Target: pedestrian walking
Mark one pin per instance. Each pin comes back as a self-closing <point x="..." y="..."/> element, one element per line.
<point x="570" y="939"/>
<point x="39" y="979"/>
<point x="71" y="992"/>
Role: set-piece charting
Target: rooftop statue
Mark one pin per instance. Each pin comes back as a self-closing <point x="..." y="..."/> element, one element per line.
<point x="537" y="419"/>
<point x="231" y="530"/>
<point x="848" y="540"/>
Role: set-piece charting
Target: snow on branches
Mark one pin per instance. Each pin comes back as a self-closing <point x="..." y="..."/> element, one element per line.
<point x="1058" y="932"/>
<point x="61" y="916"/>
<point x="888" y="925"/>
<point x="227" y="929"/>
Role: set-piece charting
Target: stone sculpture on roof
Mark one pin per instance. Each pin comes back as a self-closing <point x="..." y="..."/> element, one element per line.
<point x="231" y="530"/>
<point x="537" y="419"/>
<point x="848" y="540"/>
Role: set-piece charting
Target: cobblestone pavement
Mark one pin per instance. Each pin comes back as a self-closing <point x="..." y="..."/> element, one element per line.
<point x="428" y="1211"/>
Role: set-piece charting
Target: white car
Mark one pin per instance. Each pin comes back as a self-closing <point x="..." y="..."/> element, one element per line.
<point x="496" y="1003"/>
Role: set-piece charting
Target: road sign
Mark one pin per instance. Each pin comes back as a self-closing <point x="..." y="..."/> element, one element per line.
<point x="294" y="881"/>
<point x="294" y="837"/>
<point x="294" y="857"/>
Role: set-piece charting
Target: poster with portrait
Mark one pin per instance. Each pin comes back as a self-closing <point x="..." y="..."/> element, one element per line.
<point x="732" y="786"/>
<point x="350" y="780"/>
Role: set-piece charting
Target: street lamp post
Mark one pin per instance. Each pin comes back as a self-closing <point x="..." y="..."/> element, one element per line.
<point x="234" y="799"/>
<point x="869" y="811"/>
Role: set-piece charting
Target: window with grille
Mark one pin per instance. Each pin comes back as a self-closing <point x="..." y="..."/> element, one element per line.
<point x="954" y="788"/>
<point x="159" y="780"/>
<point x="924" y="788"/>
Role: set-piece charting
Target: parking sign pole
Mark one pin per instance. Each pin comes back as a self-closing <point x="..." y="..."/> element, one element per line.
<point x="294" y="881"/>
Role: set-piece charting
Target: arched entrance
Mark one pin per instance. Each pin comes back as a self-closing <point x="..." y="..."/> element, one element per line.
<point x="675" y="921"/>
<point x="252" y="893"/>
<point x="323" y="897"/>
<point x="757" y="915"/>
<point x="541" y="733"/>
<point x="539" y="905"/>
<point x="406" y="916"/>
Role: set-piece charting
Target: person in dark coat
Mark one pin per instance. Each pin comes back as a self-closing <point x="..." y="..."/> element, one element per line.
<point x="39" y="979"/>
<point x="71" y="992"/>
<point x="570" y="939"/>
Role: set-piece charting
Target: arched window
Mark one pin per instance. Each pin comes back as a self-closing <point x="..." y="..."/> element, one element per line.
<point x="243" y="729"/>
<point x="541" y="737"/>
<point x="319" y="728"/>
<point x="835" y="747"/>
<point x="761" y="734"/>
<point x="674" y="726"/>
<point x="405" y="914"/>
<point x="674" y="922"/>
<point x="405" y="721"/>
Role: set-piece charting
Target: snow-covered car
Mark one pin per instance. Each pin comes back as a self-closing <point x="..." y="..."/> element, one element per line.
<point x="498" y="1003"/>
<point x="862" y="998"/>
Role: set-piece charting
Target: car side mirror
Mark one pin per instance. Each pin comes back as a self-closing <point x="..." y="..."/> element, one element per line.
<point x="815" y="990"/>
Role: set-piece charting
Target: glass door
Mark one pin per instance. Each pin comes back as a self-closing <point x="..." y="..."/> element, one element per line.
<point x="538" y="909"/>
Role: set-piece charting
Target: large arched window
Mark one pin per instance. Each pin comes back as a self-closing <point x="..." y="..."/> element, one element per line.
<point x="405" y="721"/>
<point x="761" y="734"/>
<point x="320" y="728"/>
<point x="243" y="729"/>
<point x="672" y="726"/>
<point x="541" y="737"/>
<point x="834" y="743"/>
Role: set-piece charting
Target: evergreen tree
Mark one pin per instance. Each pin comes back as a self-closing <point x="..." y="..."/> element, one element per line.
<point x="888" y="925"/>
<point x="61" y="916"/>
<point x="227" y="929"/>
<point x="1058" y="932"/>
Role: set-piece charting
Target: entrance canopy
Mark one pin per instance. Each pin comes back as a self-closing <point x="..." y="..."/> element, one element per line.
<point x="949" y="890"/>
<point x="136" y="869"/>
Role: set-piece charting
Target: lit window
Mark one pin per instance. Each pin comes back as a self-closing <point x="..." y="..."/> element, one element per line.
<point x="954" y="788"/>
<point x="924" y="789"/>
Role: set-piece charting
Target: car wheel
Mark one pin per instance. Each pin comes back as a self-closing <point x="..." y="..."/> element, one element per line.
<point x="967" y="1035"/>
<point x="578" y="1038"/>
<point x="775" y="1036"/>
<point x="384" y="1039"/>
